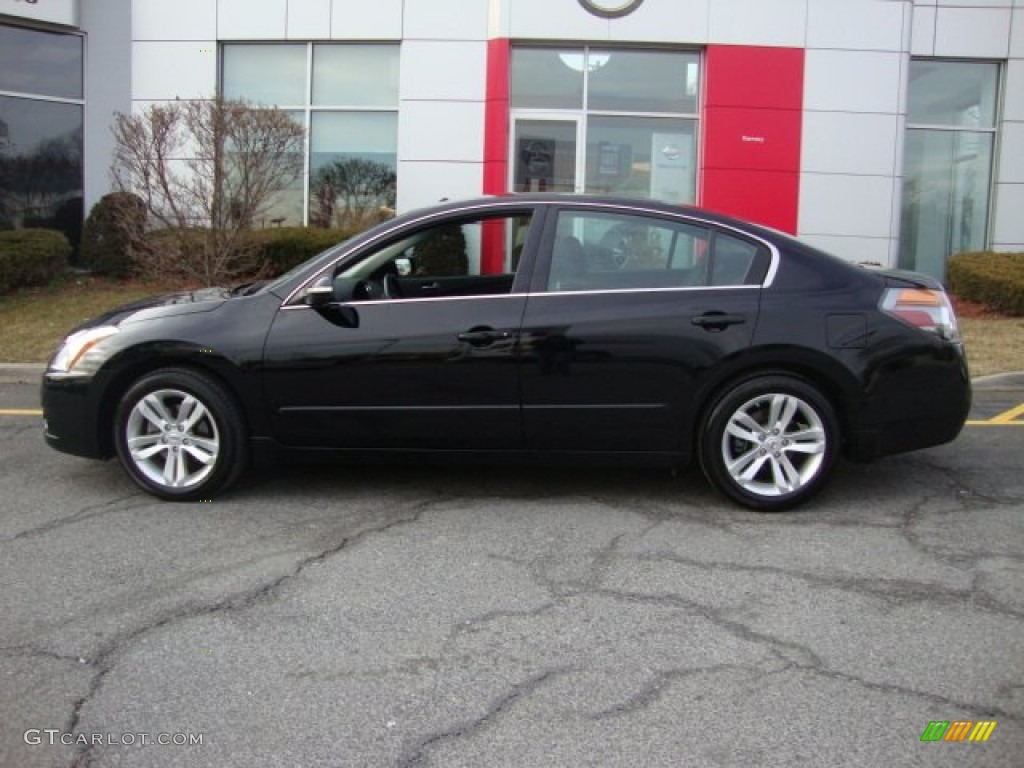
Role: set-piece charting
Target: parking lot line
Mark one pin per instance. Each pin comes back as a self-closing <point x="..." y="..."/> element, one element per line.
<point x="1011" y="418"/>
<point x="20" y="412"/>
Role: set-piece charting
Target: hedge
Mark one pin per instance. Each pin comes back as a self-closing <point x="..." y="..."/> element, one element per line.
<point x="285" y="247"/>
<point x="993" y="279"/>
<point x="31" y="257"/>
<point x="113" y="235"/>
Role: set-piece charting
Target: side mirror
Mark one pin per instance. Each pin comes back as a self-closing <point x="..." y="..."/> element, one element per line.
<point x="320" y="293"/>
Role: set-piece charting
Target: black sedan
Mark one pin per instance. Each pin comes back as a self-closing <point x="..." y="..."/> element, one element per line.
<point x="550" y="326"/>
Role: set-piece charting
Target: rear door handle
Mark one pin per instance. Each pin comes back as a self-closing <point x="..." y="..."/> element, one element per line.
<point x="717" y="321"/>
<point x="481" y="337"/>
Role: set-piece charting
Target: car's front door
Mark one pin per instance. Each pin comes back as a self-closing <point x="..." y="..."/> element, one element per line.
<point x="417" y="350"/>
<point x="619" y="332"/>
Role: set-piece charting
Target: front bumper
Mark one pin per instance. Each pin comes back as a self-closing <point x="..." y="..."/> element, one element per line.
<point x="71" y="417"/>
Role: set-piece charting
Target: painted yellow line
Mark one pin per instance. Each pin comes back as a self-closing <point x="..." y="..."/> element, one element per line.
<point x="1009" y="416"/>
<point x="1004" y="419"/>
<point x="20" y="412"/>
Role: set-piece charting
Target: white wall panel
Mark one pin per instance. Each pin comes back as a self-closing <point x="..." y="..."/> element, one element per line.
<point x="838" y="142"/>
<point x="441" y="130"/>
<point x="755" y="22"/>
<point x="455" y="71"/>
<point x="856" y="206"/>
<point x="181" y="20"/>
<point x="1009" y="224"/>
<point x="852" y="81"/>
<point x="668" y="21"/>
<point x="1013" y="99"/>
<point x="869" y="25"/>
<point x="978" y="3"/>
<point x="246" y="20"/>
<point x="876" y="250"/>
<point x="309" y="19"/>
<point x="1017" y="34"/>
<point x="448" y="20"/>
<point x="544" y="19"/>
<point x="361" y="20"/>
<point x="186" y="70"/>
<point x="923" y="37"/>
<point x="982" y="32"/>
<point x="1011" y="161"/>
<point x="421" y="184"/>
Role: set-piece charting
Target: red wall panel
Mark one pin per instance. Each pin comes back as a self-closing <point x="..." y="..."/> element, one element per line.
<point x="753" y="115"/>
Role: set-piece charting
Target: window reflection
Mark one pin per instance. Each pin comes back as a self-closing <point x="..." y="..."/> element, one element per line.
<point x="41" y="63"/>
<point x="947" y="162"/>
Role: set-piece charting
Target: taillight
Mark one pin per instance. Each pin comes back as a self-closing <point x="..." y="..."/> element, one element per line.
<point x="923" y="308"/>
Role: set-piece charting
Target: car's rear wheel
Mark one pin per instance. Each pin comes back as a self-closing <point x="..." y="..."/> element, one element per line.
<point x="770" y="442"/>
<point x="179" y="435"/>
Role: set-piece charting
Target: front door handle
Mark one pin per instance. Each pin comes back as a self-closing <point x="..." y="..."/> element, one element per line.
<point x="717" y="321"/>
<point x="481" y="337"/>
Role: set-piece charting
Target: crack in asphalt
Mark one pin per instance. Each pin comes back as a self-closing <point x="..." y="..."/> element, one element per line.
<point x="416" y="755"/>
<point x="85" y="513"/>
<point x="105" y="660"/>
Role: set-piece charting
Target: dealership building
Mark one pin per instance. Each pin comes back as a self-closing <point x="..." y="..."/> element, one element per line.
<point x="884" y="131"/>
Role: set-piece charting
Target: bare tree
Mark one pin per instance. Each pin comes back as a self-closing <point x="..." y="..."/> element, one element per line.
<point x="354" y="192"/>
<point x="206" y="170"/>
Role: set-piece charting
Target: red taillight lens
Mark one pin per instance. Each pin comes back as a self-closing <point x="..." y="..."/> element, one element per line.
<point x="923" y="308"/>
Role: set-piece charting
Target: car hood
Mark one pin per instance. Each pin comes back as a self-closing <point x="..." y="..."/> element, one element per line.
<point x="167" y="305"/>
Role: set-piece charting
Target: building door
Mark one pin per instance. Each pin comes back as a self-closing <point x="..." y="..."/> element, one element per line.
<point x="545" y="155"/>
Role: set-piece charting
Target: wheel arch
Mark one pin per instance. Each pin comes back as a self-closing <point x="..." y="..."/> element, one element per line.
<point x="137" y="362"/>
<point x="836" y="383"/>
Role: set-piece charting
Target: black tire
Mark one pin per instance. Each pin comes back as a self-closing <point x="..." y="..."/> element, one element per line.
<point x="770" y="442"/>
<point x="179" y="435"/>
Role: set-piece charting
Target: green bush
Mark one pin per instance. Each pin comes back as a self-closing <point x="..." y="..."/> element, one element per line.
<point x="283" y="248"/>
<point x="114" y="235"/>
<point x="31" y="257"/>
<point x="993" y="279"/>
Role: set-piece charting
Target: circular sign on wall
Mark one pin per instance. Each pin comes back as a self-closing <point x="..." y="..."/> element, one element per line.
<point x="611" y="9"/>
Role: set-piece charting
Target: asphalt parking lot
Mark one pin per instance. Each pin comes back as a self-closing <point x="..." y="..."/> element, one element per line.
<point x="451" y="616"/>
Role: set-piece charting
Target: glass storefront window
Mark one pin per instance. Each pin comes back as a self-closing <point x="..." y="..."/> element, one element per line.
<point x="355" y="75"/>
<point x="948" y="155"/>
<point x="41" y="123"/>
<point x="265" y="74"/>
<point x="547" y="78"/>
<point x="647" y="157"/>
<point x="606" y="121"/>
<point x="42" y="63"/>
<point x="643" y="81"/>
<point x="347" y="97"/>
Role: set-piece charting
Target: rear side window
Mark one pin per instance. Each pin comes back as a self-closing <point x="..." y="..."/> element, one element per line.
<point x="596" y="250"/>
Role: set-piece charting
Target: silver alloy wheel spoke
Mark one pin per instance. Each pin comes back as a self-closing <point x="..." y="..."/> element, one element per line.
<point x="774" y="444"/>
<point x="172" y="439"/>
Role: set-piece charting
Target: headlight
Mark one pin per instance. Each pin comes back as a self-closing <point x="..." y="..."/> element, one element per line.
<point x="78" y="353"/>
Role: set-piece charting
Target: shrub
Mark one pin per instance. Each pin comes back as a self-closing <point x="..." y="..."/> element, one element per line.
<point x="993" y="279"/>
<point x="31" y="257"/>
<point x="283" y="248"/>
<point x="113" y="239"/>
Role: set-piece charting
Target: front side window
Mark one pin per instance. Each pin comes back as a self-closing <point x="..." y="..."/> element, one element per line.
<point x="595" y="251"/>
<point x="461" y="257"/>
<point x="346" y="95"/>
<point x="951" y="134"/>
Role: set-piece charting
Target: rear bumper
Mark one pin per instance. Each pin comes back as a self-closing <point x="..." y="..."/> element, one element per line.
<point x="918" y="405"/>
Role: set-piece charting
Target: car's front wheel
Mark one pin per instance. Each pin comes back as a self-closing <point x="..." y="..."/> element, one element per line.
<point x="179" y="435"/>
<point x="770" y="442"/>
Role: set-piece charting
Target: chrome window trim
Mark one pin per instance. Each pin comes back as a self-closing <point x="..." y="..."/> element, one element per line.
<point x="511" y="203"/>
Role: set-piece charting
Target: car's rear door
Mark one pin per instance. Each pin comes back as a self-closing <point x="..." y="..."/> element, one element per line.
<point x="627" y="313"/>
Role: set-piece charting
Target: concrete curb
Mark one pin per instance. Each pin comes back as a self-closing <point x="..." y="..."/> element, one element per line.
<point x="32" y="373"/>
